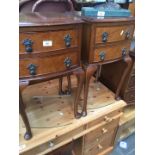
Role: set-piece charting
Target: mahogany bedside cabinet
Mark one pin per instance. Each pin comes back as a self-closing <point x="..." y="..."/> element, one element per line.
<point x="105" y="40"/>
<point x="49" y="47"/>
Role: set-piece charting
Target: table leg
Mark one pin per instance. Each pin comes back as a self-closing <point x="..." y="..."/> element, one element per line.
<point x="89" y="71"/>
<point x="128" y="62"/>
<point x="28" y="133"/>
<point x="81" y="77"/>
<point x="68" y="91"/>
<point x="60" y="86"/>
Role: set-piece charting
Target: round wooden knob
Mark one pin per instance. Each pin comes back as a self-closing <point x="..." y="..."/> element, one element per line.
<point x="100" y="147"/>
<point x="104" y="130"/>
<point x="107" y="119"/>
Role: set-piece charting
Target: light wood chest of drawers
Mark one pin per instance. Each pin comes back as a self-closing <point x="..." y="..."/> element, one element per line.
<point x="93" y="134"/>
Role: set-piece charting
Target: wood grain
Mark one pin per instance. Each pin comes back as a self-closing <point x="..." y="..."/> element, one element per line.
<point x="115" y="33"/>
<point x="112" y="52"/>
<point x="56" y="37"/>
<point x="45" y="65"/>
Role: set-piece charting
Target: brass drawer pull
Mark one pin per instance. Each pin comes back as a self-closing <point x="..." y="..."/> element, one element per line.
<point x="107" y="119"/>
<point x="104" y="130"/>
<point x="102" y="56"/>
<point x="104" y="37"/>
<point x="68" y="62"/>
<point x="100" y="147"/>
<point x="32" y="69"/>
<point x="28" y="45"/>
<point x="124" y="52"/>
<point x="67" y="40"/>
<point x="127" y="35"/>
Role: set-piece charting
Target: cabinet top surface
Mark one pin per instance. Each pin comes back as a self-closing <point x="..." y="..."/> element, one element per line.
<point x="104" y="19"/>
<point x="47" y="19"/>
<point x="107" y="19"/>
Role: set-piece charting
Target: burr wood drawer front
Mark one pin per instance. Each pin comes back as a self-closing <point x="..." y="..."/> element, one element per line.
<point x="113" y="33"/>
<point x="31" y="67"/>
<point x="101" y="146"/>
<point x="97" y="135"/>
<point x="111" y="52"/>
<point x="37" y="42"/>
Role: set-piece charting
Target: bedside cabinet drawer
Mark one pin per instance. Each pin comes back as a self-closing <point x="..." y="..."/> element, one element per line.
<point x="106" y="142"/>
<point x="100" y="133"/>
<point x="112" y="52"/>
<point x="113" y="33"/>
<point x="37" y="42"/>
<point x="31" y="67"/>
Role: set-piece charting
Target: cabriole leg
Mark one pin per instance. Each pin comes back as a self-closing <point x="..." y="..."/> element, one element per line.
<point x="80" y="76"/>
<point x="28" y="133"/>
<point x="89" y="71"/>
<point x="128" y="62"/>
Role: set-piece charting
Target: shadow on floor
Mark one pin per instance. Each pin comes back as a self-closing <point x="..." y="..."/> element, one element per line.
<point x="129" y="146"/>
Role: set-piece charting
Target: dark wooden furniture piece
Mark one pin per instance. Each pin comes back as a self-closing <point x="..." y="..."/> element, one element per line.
<point x="106" y="40"/>
<point x="26" y="5"/>
<point x="49" y="47"/>
<point x="111" y="74"/>
<point x="49" y="6"/>
<point x="79" y="4"/>
<point x="45" y="6"/>
<point x="52" y="6"/>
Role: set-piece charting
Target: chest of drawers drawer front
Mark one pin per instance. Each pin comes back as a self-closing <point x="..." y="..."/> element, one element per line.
<point x="101" y="146"/>
<point x="101" y="119"/>
<point x="98" y="135"/>
<point x="46" y="65"/>
<point x="113" y="33"/>
<point x="48" y="41"/>
<point x="111" y="52"/>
